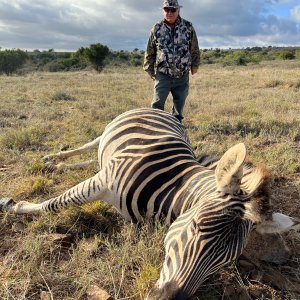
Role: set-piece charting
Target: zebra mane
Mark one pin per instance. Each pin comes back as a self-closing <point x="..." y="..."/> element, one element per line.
<point x="255" y="183"/>
<point x="208" y="161"/>
<point x="254" y="178"/>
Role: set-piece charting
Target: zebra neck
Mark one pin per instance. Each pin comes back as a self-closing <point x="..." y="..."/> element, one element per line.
<point x="199" y="189"/>
<point x="192" y="192"/>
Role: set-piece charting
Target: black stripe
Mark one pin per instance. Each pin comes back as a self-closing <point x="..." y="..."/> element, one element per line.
<point x="132" y="130"/>
<point x="156" y="182"/>
<point x="166" y="143"/>
<point x="158" y="115"/>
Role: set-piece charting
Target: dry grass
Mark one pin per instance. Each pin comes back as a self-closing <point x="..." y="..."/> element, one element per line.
<point x="42" y="112"/>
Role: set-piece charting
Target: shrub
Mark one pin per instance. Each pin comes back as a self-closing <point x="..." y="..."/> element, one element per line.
<point x="124" y="55"/>
<point x="62" y="96"/>
<point x="287" y="54"/>
<point x="11" y="61"/>
<point x="64" y="64"/>
<point x="71" y="63"/>
<point x="95" y="55"/>
<point x="274" y="83"/>
<point x="54" y="66"/>
<point x="136" y="62"/>
<point x="237" y="58"/>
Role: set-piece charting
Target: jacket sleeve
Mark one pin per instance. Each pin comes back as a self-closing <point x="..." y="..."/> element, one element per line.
<point x="150" y="55"/>
<point x="195" y="52"/>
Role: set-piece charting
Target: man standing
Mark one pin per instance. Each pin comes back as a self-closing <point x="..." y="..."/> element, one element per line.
<point x="172" y="51"/>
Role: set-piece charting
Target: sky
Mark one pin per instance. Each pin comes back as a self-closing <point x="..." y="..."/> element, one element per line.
<point x="67" y="25"/>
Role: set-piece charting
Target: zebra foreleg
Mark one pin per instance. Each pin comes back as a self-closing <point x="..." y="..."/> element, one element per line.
<point x="77" y="166"/>
<point x="51" y="159"/>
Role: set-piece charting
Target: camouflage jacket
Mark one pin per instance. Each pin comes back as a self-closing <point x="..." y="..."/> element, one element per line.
<point x="172" y="51"/>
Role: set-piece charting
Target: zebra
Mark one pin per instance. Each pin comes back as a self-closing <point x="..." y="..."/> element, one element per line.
<point x="148" y="170"/>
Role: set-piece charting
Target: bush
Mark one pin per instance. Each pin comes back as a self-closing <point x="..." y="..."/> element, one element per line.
<point x="71" y="63"/>
<point x="237" y="58"/>
<point x="287" y="54"/>
<point x="62" y="96"/>
<point x="95" y="55"/>
<point x="241" y="58"/>
<point x="64" y="64"/>
<point x="11" y="61"/>
<point x="54" y="66"/>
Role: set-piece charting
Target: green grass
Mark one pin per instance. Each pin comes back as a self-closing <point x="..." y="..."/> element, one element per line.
<point x="62" y="96"/>
<point x="22" y="139"/>
<point x="258" y="105"/>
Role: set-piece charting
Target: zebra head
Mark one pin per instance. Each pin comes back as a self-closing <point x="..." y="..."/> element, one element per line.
<point x="214" y="232"/>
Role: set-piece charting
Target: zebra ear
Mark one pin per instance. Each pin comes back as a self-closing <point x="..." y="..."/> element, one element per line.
<point x="229" y="170"/>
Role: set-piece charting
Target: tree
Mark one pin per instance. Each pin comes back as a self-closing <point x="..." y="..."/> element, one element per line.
<point x="81" y="55"/>
<point x="11" y="60"/>
<point x="95" y="54"/>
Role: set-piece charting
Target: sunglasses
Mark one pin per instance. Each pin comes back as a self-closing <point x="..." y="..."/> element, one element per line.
<point x="170" y="9"/>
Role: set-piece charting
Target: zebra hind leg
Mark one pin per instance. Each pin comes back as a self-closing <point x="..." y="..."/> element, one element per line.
<point x="9" y="205"/>
<point x="94" y="188"/>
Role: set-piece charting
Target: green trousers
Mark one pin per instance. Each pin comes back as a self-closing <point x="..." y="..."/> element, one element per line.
<point x="178" y="87"/>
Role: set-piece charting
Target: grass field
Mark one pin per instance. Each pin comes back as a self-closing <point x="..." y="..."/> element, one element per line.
<point x="64" y="254"/>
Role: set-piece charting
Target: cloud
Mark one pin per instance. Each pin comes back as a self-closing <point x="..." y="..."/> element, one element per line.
<point x="242" y="24"/>
<point x="295" y="13"/>
<point x="71" y="24"/>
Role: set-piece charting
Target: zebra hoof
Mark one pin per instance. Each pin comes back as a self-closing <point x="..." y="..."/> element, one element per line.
<point x="6" y="203"/>
<point x="46" y="158"/>
<point x="50" y="157"/>
<point x="50" y="167"/>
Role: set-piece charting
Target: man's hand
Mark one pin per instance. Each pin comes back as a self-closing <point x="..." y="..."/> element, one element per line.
<point x="194" y="71"/>
<point x="152" y="76"/>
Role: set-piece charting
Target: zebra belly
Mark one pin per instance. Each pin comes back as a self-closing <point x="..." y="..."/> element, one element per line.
<point x="144" y="187"/>
<point x="148" y="156"/>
